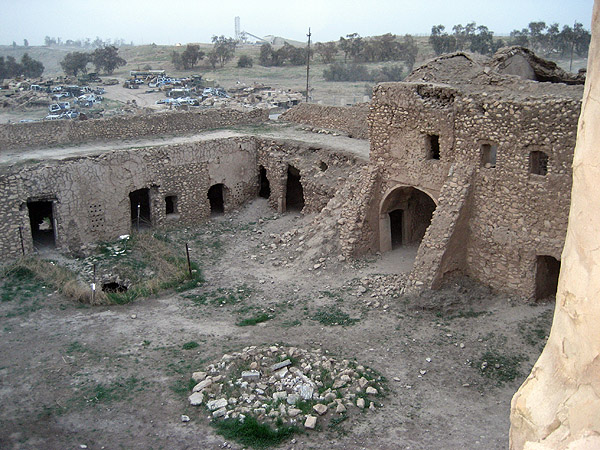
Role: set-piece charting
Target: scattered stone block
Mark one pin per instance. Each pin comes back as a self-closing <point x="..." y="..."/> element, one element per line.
<point x="310" y="423"/>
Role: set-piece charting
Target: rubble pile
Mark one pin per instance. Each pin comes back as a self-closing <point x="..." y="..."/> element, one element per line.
<point x="279" y="384"/>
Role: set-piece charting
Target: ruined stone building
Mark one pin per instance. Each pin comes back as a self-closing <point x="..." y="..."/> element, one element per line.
<point x="470" y="158"/>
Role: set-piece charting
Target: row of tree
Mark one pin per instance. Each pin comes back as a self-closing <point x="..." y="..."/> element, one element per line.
<point x="28" y="67"/>
<point x="83" y="43"/>
<point x="478" y="39"/>
<point x="288" y="54"/>
<point x="387" y="47"/>
<point x="551" y="39"/>
<point x="537" y="36"/>
<point x="222" y="52"/>
<point x="105" y="59"/>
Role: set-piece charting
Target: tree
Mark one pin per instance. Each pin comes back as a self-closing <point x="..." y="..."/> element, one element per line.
<point x="191" y="55"/>
<point x="245" y="61"/>
<point x="75" y="62"/>
<point x="326" y="51"/>
<point x="408" y="51"/>
<point x="107" y="59"/>
<point x="441" y="41"/>
<point x="213" y="59"/>
<point x="31" y="67"/>
<point x="223" y="48"/>
<point x="266" y="57"/>
<point x="519" y="38"/>
<point x="482" y="41"/>
<point x="352" y="46"/>
<point x="25" y="43"/>
<point x="176" y="60"/>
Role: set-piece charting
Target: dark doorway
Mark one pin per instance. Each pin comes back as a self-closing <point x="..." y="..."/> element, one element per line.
<point x="140" y="208"/>
<point x="396" y="227"/>
<point x="432" y="143"/>
<point x="265" y="187"/>
<point x="170" y="204"/>
<point x="41" y="219"/>
<point x="294" y="196"/>
<point x="546" y="277"/>
<point x="216" y="199"/>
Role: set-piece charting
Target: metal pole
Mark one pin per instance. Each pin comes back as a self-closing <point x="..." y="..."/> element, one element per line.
<point x="572" y="48"/>
<point x="21" y="237"/>
<point x="94" y="286"/>
<point x="138" y="216"/>
<point x="307" y="63"/>
<point x="187" y="252"/>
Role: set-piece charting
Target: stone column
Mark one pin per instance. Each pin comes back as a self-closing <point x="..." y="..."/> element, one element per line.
<point x="558" y="406"/>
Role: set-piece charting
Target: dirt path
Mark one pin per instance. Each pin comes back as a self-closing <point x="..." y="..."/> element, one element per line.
<point x="116" y="377"/>
<point x="273" y="130"/>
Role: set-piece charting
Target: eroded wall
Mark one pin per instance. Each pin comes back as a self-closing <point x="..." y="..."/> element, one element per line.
<point x="350" y="120"/>
<point x="65" y="132"/>
<point x="512" y="215"/>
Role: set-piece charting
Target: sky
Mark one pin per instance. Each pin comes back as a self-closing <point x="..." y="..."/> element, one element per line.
<point x="184" y="21"/>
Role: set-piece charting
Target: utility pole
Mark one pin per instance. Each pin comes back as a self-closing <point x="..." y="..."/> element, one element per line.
<point x="307" y="63"/>
<point x="572" y="47"/>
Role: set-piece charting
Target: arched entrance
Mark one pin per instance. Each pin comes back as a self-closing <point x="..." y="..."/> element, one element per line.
<point x="546" y="277"/>
<point x="216" y="198"/>
<point x="405" y="215"/>
<point x="294" y="196"/>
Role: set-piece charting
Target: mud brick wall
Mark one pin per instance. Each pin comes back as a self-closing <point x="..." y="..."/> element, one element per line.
<point x="512" y="215"/>
<point x="90" y="195"/>
<point x="63" y="132"/>
<point x="350" y="120"/>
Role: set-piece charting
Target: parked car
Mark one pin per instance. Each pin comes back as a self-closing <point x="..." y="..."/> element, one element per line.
<point x="52" y="117"/>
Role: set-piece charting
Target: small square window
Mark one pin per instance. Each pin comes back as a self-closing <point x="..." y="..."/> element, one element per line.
<point x="538" y="163"/>
<point x="171" y="204"/>
<point x="488" y="155"/>
<point x="432" y="146"/>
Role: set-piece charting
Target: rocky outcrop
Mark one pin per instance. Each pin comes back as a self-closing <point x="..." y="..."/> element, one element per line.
<point x="558" y="405"/>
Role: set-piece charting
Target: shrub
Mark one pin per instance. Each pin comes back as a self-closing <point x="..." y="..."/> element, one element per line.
<point x="245" y="61"/>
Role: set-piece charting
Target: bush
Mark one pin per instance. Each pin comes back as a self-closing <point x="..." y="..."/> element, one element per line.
<point x="359" y="72"/>
<point x="245" y="61"/>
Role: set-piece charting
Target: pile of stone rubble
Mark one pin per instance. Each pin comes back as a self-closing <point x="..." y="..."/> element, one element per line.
<point x="286" y="384"/>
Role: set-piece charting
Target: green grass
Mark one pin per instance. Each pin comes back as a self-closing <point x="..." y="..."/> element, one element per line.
<point x="115" y="391"/>
<point x="183" y="387"/>
<point x="498" y="367"/>
<point x="259" y="318"/>
<point x="332" y="316"/>
<point x="536" y="331"/>
<point x="252" y="433"/>
<point x="190" y="345"/>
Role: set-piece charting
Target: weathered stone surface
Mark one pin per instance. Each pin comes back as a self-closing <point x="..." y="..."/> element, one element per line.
<point x="320" y="409"/>
<point x="310" y="422"/>
<point x="558" y="405"/>
<point x="281" y="365"/>
<point x="250" y="375"/>
<point x="216" y="404"/>
<point x="198" y="376"/>
<point x="196" y="398"/>
<point x="202" y="385"/>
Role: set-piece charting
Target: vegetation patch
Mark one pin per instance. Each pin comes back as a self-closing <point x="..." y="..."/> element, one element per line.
<point x="332" y="316"/>
<point x="252" y="433"/>
<point x="501" y="368"/>
<point x="259" y="318"/>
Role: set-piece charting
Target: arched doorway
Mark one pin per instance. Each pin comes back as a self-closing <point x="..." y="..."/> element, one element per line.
<point x="265" y="187"/>
<point x="216" y="198"/>
<point x="294" y="196"/>
<point x="405" y="215"/>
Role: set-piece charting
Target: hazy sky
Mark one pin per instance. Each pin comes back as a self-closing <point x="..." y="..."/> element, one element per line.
<point x="173" y="21"/>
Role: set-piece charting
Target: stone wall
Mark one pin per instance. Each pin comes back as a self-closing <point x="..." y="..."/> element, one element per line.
<point x="513" y="215"/>
<point x="65" y="132"/>
<point x="90" y="195"/>
<point x="350" y="120"/>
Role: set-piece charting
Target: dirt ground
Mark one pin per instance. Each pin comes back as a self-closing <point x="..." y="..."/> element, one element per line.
<point x="117" y="377"/>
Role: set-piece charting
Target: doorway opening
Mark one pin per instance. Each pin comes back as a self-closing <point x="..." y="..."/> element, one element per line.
<point x="294" y="196"/>
<point x="41" y="219"/>
<point x="216" y="198"/>
<point x="546" y="277"/>
<point x="396" y="227"/>
<point x="265" y="186"/>
<point x="140" y="208"/>
<point x="406" y="214"/>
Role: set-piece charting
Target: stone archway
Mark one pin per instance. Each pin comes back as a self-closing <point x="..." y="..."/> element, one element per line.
<point x="404" y="216"/>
